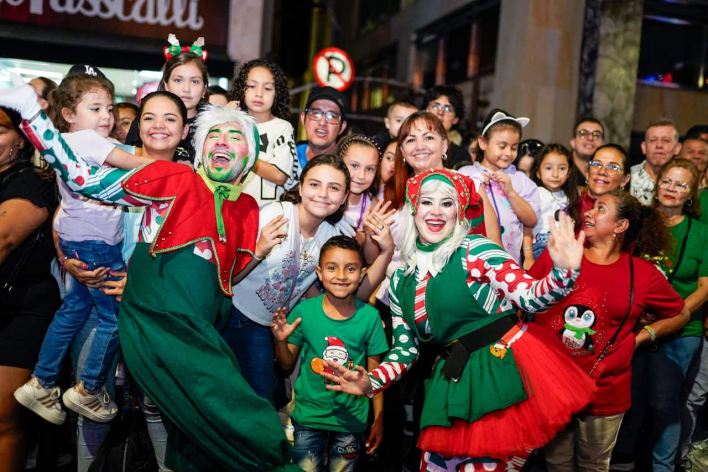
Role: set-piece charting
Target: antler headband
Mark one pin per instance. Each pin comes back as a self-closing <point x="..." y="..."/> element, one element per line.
<point x="175" y="49"/>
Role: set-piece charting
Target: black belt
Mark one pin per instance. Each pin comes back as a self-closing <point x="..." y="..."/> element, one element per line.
<point x="457" y="353"/>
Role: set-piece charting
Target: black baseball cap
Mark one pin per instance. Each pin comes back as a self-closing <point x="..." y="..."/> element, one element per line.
<point x="331" y="94"/>
<point x="85" y="69"/>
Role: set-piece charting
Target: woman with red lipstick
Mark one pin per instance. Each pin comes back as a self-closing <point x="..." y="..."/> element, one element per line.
<point x="501" y="387"/>
<point x="595" y="322"/>
<point x="660" y="374"/>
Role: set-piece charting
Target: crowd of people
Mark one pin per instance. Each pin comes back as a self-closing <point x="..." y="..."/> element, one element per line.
<point x="396" y="301"/>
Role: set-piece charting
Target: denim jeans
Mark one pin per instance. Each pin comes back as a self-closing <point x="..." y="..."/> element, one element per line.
<point x="696" y="398"/>
<point x="90" y="434"/>
<point x="658" y="380"/>
<point x="79" y="300"/>
<point x="253" y="346"/>
<point x="539" y="244"/>
<point x="314" y="448"/>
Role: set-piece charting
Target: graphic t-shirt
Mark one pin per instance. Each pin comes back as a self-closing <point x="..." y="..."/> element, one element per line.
<point x="286" y="273"/>
<point x="512" y="229"/>
<point x="588" y="317"/>
<point x="347" y="342"/>
<point x="277" y="148"/>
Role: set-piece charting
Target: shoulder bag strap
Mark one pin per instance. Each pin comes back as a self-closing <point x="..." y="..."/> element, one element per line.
<point x="613" y="338"/>
<point x="682" y="250"/>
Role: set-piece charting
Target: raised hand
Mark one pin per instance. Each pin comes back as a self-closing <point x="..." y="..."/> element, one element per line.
<point x="21" y="98"/>
<point x="280" y="327"/>
<point x="354" y="382"/>
<point x="376" y="225"/>
<point x="272" y="234"/>
<point x="565" y="250"/>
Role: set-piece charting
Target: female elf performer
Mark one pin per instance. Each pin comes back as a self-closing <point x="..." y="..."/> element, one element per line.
<point x="179" y="286"/>
<point x="500" y="387"/>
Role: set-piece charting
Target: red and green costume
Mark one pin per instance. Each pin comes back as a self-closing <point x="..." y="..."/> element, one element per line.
<point x="514" y="393"/>
<point x="177" y="292"/>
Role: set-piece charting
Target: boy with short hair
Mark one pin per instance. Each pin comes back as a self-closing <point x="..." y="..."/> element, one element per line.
<point x="339" y="327"/>
<point x="396" y="114"/>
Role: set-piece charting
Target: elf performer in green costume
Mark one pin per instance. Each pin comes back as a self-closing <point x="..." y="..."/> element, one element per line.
<point x="198" y="232"/>
<point x="501" y="387"/>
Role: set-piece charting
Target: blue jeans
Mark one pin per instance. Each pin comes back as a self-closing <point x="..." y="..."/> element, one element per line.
<point x="253" y="346"/>
<point x="314" y="448"/>
<point x="539" y="244"/>
<point x="696" y="398"/>
<point x="71" y="317"/>
<point x="658" y="383"/>
<point x="90" y="434"/>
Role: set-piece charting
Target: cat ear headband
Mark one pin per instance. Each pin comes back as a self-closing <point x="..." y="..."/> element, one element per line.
<point x="175" y="49"/>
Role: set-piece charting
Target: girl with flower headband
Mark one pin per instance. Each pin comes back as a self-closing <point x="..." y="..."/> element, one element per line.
<point x="185" y="74"/>
<point x="167" y="321"/>
<point x="501" y="387"/>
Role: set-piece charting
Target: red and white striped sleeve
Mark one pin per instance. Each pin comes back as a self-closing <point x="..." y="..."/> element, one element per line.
<point x="404" y="351"/>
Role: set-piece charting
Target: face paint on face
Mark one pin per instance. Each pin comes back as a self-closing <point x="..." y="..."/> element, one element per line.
<point x="225" y="152"/>
<point x="436" y="215"/>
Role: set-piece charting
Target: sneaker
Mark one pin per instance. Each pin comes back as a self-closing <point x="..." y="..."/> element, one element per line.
<point x="45" y="402"/>
<point x="97" y="406"/>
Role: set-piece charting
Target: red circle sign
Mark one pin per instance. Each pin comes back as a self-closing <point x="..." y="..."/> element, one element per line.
<point x="333" y="67"/>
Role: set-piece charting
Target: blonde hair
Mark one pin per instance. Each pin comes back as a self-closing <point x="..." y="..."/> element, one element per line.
<point x="409" y="251"/>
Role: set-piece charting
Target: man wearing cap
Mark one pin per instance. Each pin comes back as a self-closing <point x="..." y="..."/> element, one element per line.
<point x="588" y="135"/>
<point x="324" y="119"/>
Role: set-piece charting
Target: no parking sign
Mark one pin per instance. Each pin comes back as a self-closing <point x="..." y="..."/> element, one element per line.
<point x="333" y="67"/>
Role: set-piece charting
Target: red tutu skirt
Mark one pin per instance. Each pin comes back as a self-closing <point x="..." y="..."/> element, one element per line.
<point x="556" y="388"/>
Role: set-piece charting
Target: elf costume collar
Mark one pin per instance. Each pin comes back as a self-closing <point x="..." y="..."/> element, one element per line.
<point x="469" y="202"/>
<point x="222" y="191"/>
<point x="192" y="216"/>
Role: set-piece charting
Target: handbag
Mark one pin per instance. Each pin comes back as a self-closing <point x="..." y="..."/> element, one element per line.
<point x="8" y="286"/>
<point x="613" y="338"/>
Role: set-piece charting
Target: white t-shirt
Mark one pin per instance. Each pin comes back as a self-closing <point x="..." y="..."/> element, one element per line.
<point x="278" y="149"/>
<point x="550" y="203"/>
<point x="286" y="273"/>
<point x="80" y="218"/>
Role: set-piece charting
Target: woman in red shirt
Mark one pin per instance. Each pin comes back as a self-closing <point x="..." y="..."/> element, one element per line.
<point x="596" y="321"/>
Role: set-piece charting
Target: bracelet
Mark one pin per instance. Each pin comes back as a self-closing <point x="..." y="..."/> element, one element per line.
<point x="528" y="248"/>
<point x="256" y="257"/>
<point x="652" y="333"/>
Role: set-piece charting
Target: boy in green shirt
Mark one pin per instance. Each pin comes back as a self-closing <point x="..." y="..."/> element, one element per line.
<point x="329" y="426"/>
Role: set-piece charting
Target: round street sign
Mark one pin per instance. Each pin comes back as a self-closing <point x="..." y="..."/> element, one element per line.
<point x="333" y="67"/>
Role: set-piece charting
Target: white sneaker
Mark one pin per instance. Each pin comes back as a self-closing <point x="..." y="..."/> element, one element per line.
<point x="45" y="402"/>
<point x="97" y="407"/>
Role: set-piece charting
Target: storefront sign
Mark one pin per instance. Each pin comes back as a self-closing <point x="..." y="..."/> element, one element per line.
<point x="188" y="19"/>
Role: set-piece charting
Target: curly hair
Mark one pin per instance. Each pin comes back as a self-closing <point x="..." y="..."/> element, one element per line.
<point x="69" y="93"/>
<point x="646" y="236"/>
<point x="281" y="107"/>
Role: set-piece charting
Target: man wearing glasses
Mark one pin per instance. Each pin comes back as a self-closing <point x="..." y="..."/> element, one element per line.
<point x="446" y="102"/>
<point x="588" y="135"/>
<point x="324" y="119"/>
<point x="660" y="145"/>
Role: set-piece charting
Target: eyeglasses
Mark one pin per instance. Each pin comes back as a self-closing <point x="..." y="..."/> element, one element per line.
<point x="585" y="134"/>
<point x="438" y="107"/>
<point x="680" y="186"/>
<point x="331" y="117"/>
<point x="610" y="166"/>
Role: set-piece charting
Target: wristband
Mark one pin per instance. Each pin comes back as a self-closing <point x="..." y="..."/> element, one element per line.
<point x="652" y="333"/>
